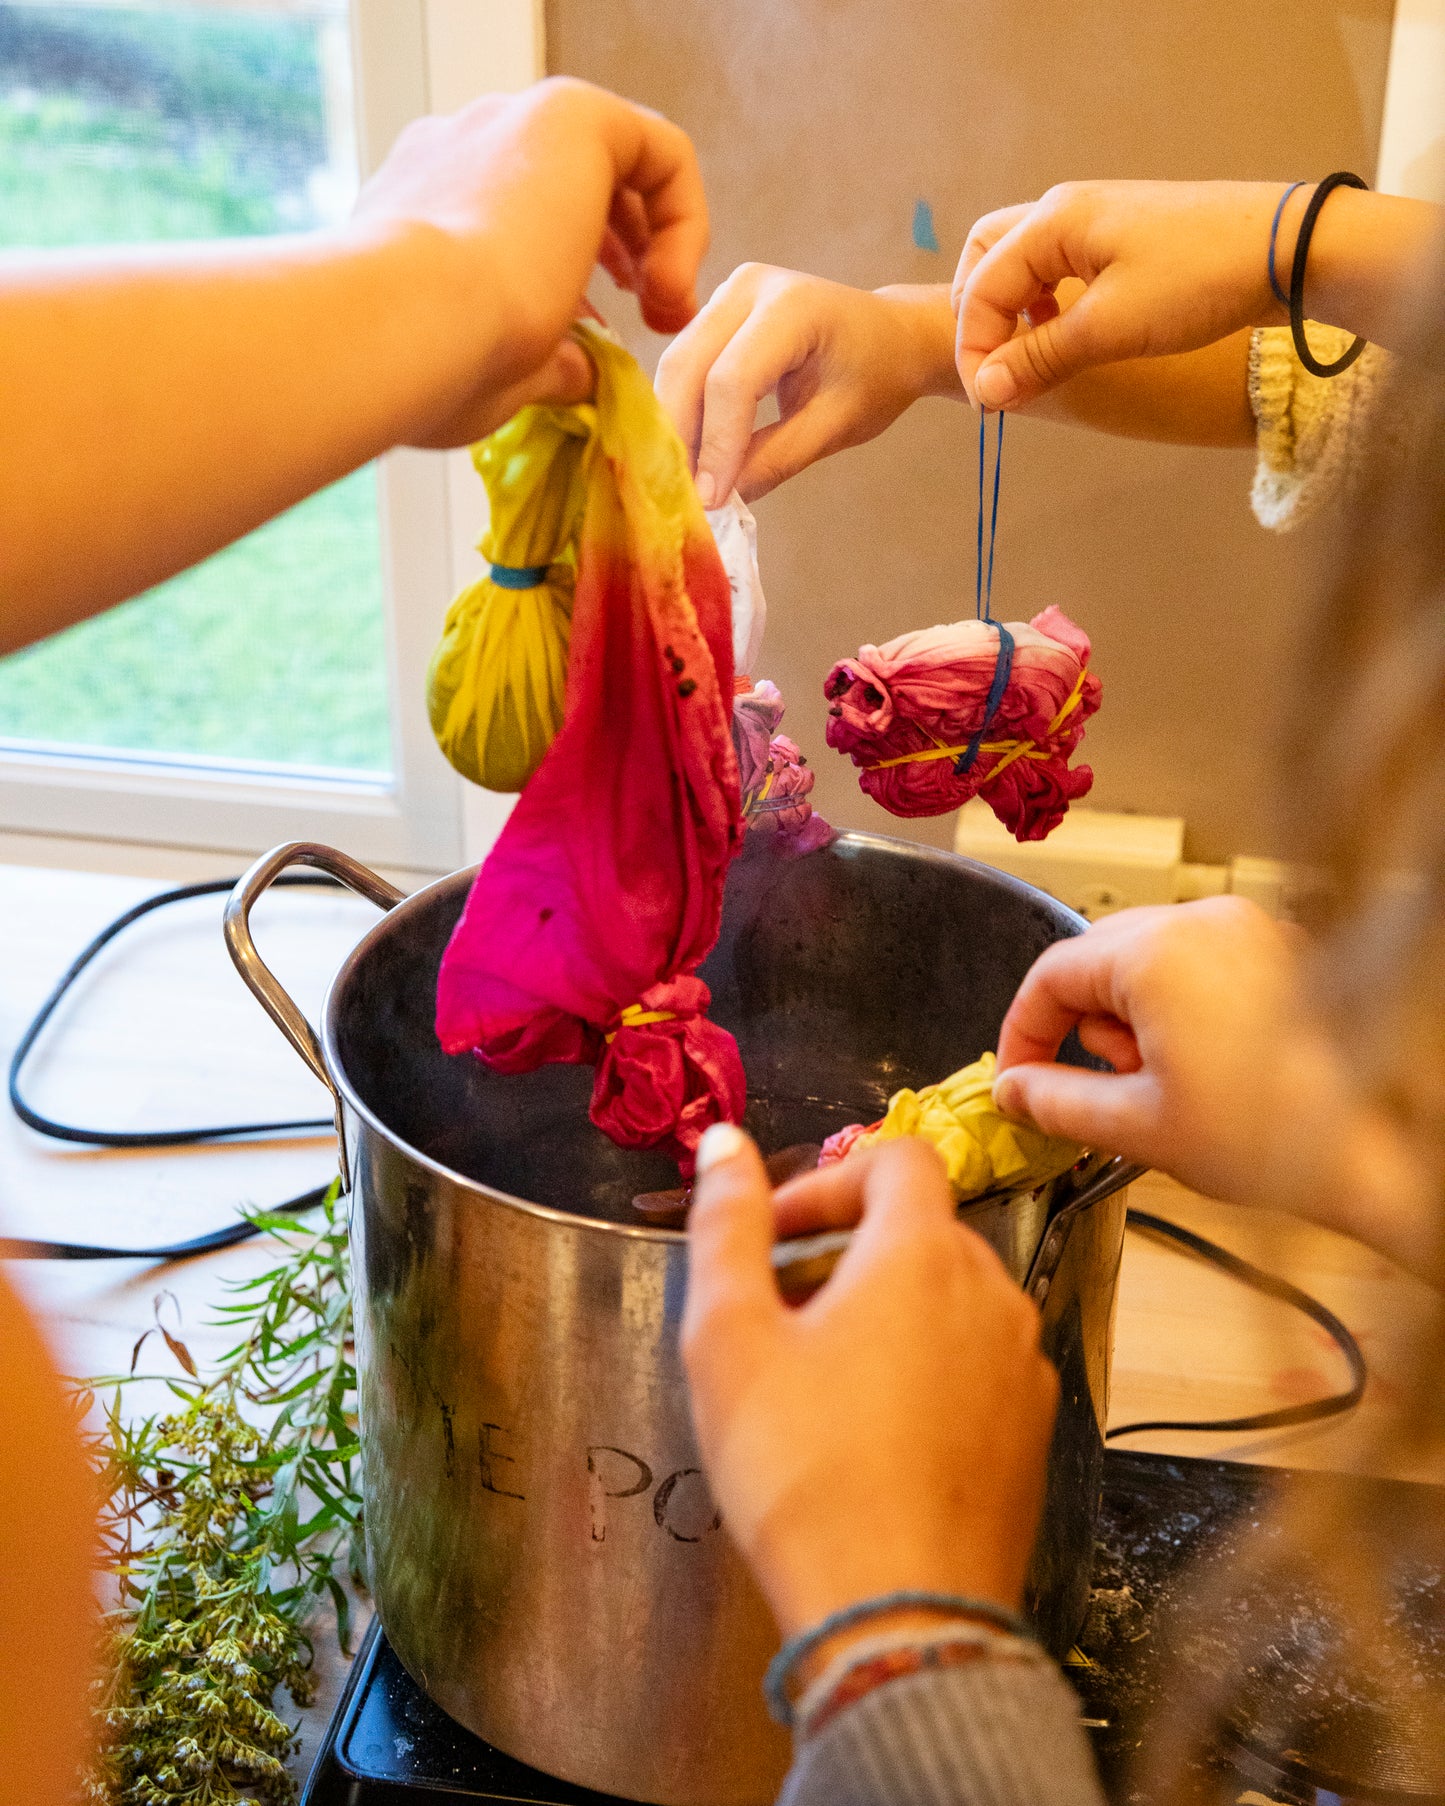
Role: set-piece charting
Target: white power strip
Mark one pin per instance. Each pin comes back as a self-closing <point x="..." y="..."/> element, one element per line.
<point x="1097" y="861"/>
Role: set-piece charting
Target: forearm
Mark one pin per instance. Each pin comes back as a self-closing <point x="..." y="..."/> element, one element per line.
<point x="1191" y="398"/>
<point x="1188" y="398"/>
<point x="205" y="390"/>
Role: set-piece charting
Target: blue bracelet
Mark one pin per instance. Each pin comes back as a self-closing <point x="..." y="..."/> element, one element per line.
<point x="958" y="1605"/>
<point x="1274" y="282"/>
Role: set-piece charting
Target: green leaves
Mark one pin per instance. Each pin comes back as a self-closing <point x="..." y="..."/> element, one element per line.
<point x="225" y="1522"/>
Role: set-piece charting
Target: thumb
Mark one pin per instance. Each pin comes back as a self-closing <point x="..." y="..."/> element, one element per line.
<point x="1112" y="1111"/>
<point x="731" y="1294"/>
<point x="1034" y="361"/>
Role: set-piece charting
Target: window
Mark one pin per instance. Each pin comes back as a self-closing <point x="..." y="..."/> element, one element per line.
<point x="277" y="689"/>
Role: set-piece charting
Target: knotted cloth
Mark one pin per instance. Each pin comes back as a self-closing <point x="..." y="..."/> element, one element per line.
<point x="498" y="677"/>
<point x="908" y="715"/>
<point x="586" y="923"/>
<point x="776" y="779"/>
<point x="981" y="1149"/>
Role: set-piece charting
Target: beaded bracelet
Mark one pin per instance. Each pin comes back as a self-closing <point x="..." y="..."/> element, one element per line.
<point x="870" y="1663"/>
<point x="954" y="1605"/>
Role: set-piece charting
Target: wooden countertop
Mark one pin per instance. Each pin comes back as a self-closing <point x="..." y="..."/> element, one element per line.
<point x="163" y="1033"/>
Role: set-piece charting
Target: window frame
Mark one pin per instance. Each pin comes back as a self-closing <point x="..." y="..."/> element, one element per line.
<point x="408" y="57"/>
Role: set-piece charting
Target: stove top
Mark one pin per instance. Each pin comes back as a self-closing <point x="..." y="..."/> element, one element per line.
<point x="389" y="1745"/>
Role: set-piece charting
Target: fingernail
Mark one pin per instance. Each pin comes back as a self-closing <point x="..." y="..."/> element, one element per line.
<point x="707" y="495"/>
<point x="1008" y="1096"/>
<point x="996" y="386"/>
<point x="723" y="1141"/>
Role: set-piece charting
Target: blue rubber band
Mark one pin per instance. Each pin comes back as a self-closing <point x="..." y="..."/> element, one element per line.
<point x="957" y="1605"/>
<point x="1003" y="666"/>
<point x="1274" y="282"/>
<point x="520" y="576"/>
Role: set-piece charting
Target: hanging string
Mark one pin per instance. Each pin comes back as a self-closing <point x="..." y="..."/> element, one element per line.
<point x="983" y="594"/>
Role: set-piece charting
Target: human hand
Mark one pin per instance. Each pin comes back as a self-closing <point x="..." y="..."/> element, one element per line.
<point x="1168" y="267"/>
<point x="843" y="362"/>
<point x="839" y="1476"/>
<point x="1223" y="1077"/>
<point x="525" y="194"/>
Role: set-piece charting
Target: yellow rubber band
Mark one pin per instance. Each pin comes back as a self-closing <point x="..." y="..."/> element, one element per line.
<point x="1075" y="697"/>
<point x="1012" y="749"/>
<point x="757" y="800"/>
<point x="634" y="1016"/>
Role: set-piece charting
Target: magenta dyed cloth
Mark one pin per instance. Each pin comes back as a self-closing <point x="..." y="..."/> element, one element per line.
<point x="905" y="711"/>
<point x="603" y="893"/>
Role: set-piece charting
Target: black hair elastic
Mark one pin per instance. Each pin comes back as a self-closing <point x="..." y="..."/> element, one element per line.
<point x="1342" y="178"/>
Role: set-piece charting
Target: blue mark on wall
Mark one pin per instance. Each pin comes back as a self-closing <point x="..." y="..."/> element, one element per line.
<point x="924" y="235"/>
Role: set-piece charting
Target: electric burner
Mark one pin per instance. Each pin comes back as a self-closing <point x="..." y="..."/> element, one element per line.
<point x="389" y="1745"/>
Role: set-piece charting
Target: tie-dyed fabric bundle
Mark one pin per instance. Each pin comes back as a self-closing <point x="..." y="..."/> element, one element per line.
<point x="584" y="929"/>
<point x="776" y="779"/>
<point x="981" y="1149"/>
<point x="930" y="725"/>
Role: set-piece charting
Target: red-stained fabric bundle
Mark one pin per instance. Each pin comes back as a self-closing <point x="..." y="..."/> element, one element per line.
<point x="583" y="931"/>
<point x="948" y="713"/>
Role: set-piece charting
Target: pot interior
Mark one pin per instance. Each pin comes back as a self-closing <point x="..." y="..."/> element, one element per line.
<point x="845" y="975"/>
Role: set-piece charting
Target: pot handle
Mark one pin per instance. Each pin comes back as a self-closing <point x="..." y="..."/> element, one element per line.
<point x="1091" y="1187"/>
<point x="262" y="982"/>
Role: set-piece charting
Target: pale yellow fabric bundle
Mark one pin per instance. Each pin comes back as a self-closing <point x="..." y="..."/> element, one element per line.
<point x="982" y="1150"/>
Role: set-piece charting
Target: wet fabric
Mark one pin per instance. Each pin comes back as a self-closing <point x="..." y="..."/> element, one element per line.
<point x="583" y="931"/>
<point x="912" y="712"/>
<point x="980" y="1148"/>
<point x="776" y="779"/>
<point x="497" y="681"/>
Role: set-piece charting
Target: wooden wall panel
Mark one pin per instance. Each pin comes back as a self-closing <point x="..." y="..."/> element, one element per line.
<point x="820" y="124"/>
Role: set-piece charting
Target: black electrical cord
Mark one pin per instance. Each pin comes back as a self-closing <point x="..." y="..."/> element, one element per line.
<point x="12" y="1248"/>
<point x="1272" y="1287"/>
<point x="21" y="1248"/>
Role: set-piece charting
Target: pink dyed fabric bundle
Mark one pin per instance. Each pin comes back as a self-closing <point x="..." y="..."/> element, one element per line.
<point x="776" y="779"/>
<point x="584" y="928"/>
<point x="908" y="712"/>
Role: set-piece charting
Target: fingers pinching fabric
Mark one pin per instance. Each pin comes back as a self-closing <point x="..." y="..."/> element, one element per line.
<point x="584" y="928"/>
<point x="929" y="723"/>
<point x="776" y="778"/>
<point x="980" y="1148"/>
<point x="497" y="680"/>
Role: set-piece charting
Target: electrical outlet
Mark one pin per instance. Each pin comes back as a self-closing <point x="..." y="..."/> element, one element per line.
<point x="1098" y="861"/>
<point x="1095" y="861"/>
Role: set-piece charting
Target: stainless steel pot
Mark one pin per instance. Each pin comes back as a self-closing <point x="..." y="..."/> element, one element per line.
<point x="541" y="1544"/>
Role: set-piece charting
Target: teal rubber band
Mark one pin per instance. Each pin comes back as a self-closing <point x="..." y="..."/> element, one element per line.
<point x="957" y="1605"/>
<point x="520" y="576"/>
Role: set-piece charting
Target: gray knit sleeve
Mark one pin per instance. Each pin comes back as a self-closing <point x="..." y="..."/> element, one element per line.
<point x="985" y="1734"/>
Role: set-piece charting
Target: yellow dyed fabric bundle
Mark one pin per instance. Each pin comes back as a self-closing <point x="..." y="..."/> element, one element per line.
<point x="981" y="1149"/>
<point x="498" y="678"/>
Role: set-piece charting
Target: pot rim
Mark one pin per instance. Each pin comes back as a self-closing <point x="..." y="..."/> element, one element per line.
<point x="549" y="1213"/>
